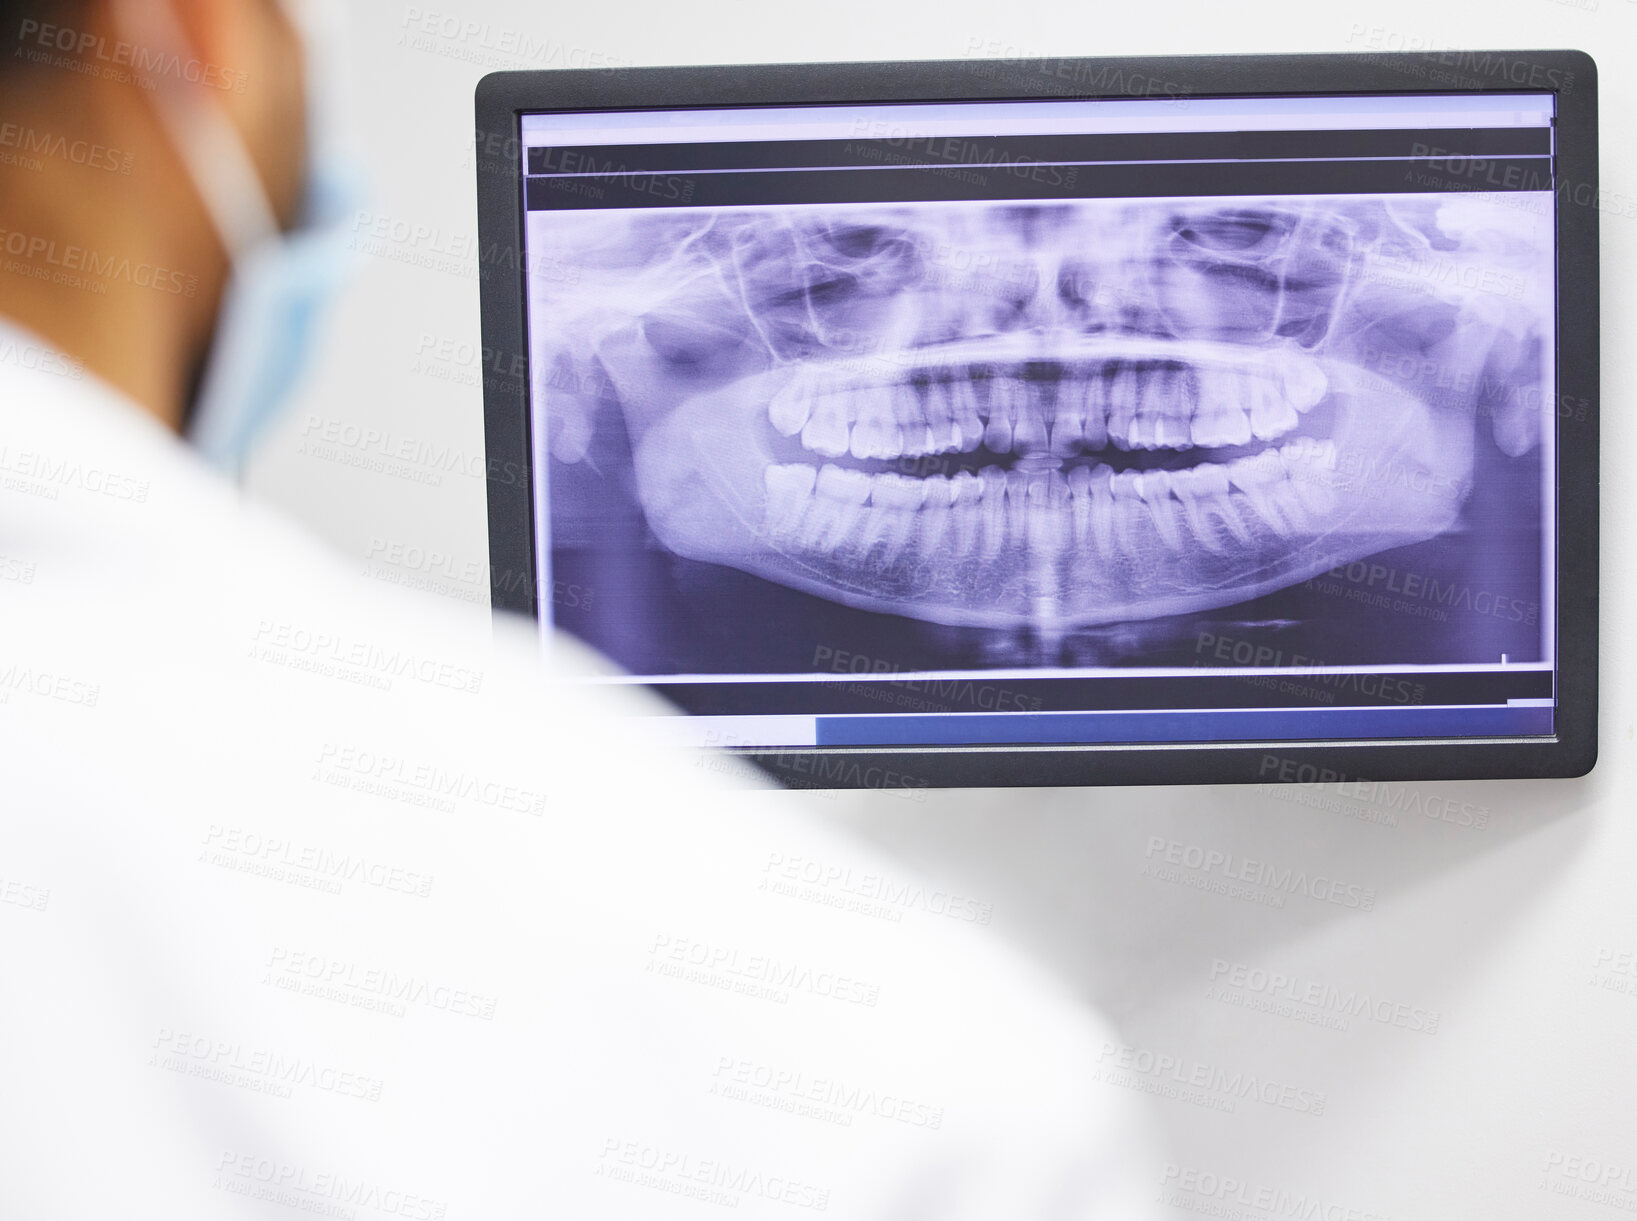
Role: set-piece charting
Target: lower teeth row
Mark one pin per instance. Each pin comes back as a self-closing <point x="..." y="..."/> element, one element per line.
<point x="835" y="511"/>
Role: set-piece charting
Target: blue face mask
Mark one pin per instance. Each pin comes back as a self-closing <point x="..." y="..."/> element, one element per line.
<point x="278" y="282"/>
<point x="269" y="323"/>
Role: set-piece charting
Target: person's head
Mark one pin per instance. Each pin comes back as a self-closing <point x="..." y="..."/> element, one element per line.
<point x="110" y="109"/>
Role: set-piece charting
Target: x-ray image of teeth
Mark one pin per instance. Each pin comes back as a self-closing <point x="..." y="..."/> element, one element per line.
<point x="1051" y="433"/>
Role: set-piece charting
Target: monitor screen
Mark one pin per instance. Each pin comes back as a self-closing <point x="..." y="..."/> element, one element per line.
<point x="1171" y="420"/>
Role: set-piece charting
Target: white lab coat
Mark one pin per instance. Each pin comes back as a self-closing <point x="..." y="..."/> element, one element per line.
<point x="308" y="899"/>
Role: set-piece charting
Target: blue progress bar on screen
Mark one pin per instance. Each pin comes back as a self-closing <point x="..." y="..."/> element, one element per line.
<point x="1218" y="725"/>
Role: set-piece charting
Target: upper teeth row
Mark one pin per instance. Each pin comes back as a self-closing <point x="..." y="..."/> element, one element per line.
<point x="1127" y="404"/>
<point x="836" y="510"/>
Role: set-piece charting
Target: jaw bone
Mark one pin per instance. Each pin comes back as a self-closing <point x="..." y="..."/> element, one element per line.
<point x="1172" y="400"/>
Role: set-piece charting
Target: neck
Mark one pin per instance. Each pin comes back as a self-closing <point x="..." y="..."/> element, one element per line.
<point x="100" y="237"/>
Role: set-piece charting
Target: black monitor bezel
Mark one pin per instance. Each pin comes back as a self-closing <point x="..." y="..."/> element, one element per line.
<point x="503" y="97"/>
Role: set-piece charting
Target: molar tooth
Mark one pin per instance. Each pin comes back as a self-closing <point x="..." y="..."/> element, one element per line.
<point x="791" y="406"/>
<point x="904" y="409"/>
<point x="844" y="486"/>
<point x="1161" y="416"/>
<point x="1208" y="430"/>
<point x="1254" y="478"/>
<point x="1127" y="509"/>
<point x="1271" y="491"/>
<point x="1171" y="433"/>
<point x="1220" y="418"/>
<point x="886" y="528"/>
<point x="1270" y="415"/>
<point x="1190" y="489"/>
<point x="838" y="509"/>
<point x="1305" y="383"/>
<point x="1154" y="487"/>
<point x="789" y="493"/>
<point x="1290" y="504"/>
<point x="1310" y="475"/>
<point x="924" y="442"/>
<point x="826" y="430"/>
<point x="1212" y="480"/>
<point x="898" y="491"/>
<point x="876" y="435"/>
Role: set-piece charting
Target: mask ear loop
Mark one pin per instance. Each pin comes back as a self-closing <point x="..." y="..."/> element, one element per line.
<point x="217" y="161"/>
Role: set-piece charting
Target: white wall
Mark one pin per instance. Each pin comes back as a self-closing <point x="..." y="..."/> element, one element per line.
<point x="1512" y="934"/>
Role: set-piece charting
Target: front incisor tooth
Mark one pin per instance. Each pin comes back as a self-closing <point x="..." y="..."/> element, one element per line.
<point x="1048" y="516"/>
<point x="1003" y="408"/>
<point x="1029" y="430"/>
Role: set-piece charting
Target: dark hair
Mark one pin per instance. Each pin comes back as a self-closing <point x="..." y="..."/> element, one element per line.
<point x="13" y="13"/>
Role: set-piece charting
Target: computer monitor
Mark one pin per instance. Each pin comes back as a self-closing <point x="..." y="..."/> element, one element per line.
<point x="1056" y="422"/>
